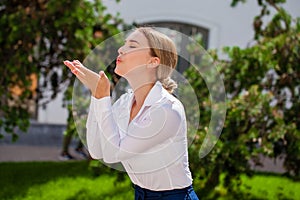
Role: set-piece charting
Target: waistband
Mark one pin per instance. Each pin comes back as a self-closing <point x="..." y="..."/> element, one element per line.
<point x="162" y="192"/>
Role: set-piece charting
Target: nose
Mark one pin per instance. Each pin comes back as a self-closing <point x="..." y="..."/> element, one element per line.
<point x="121" y="50"/>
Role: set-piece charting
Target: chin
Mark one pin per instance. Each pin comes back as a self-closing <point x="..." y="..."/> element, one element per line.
<point x="117" y="71"/>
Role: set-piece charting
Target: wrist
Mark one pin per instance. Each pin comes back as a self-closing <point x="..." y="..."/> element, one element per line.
<point x="99" y="96"/>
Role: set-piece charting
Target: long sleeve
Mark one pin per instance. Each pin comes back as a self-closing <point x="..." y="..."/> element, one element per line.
<point x="151" y="147"/>
<point x="93" y="136"/>
<point x="155" y="126"/>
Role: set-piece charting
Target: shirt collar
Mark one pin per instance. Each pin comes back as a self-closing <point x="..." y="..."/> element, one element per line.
<point x="156" y="94"/>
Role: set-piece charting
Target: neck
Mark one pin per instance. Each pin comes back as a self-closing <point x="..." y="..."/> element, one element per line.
<point x="141" y="82"/>
<point x="141" y="92"/>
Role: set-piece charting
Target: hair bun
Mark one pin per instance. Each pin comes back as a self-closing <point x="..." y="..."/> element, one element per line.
<point x="169" y="84"/>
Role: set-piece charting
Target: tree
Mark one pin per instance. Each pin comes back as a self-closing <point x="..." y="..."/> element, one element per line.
<point x="35" y="38"/>
<point x="262" y="86"/>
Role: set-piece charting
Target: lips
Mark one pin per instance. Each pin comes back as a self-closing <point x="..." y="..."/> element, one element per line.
<point x="118" y="60"/>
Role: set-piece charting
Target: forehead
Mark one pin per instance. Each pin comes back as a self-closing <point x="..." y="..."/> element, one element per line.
<point x="139" y="37"/>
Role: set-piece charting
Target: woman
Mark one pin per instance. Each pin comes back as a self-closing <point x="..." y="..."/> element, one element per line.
<point x="145" y="129"/>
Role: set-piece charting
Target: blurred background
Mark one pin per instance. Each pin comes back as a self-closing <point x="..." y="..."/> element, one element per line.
<point x="255" y="46"/>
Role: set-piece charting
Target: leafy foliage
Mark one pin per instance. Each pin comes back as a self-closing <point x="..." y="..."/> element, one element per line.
<point x="262" y="86"/>
<point x="35" y="37"/>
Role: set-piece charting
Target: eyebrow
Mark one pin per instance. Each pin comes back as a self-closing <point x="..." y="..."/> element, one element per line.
<point x="132" y="41"/>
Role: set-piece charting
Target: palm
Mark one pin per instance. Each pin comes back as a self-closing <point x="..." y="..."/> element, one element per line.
<point x="85" y="75"/>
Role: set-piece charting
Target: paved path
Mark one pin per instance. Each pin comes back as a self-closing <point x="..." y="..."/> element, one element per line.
<point x="46" y="146"/>
<point x="42" y="142"/>
<point x="28" y="153"/>
<point x="19" y="153"/>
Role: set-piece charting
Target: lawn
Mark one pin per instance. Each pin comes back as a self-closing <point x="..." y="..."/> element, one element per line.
<point x="263" y="186"/>
<point x="75" y="181"/>
<point x="269" y="186"/>
<point x="59" y="180"/>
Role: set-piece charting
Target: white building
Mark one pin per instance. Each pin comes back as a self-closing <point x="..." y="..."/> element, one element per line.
<point x="221" y="25"/>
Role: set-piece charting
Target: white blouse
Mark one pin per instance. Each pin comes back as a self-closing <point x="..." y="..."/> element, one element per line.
<point x="152" y="147"/>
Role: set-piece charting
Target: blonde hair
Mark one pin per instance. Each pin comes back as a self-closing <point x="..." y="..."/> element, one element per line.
<point x="163" y="47"/>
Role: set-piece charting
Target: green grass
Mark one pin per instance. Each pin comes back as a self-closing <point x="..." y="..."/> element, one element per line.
<point x="262" y="186"/>
<point x="270" y="186"/>
<point x="58" y="180"/>
<point x="75" y="181"/>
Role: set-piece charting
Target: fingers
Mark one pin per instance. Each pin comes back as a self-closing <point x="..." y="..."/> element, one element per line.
<point x="79" y="65"/>
<point x="74" y="64"/>
<point x="103" y="80"/>
<point x="71" y="67"/>
<point x="69" y="64"/>
<point x="75" y="67"/>
<point x="102" y="75"/>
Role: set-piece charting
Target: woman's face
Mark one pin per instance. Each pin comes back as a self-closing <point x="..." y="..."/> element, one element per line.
<point x="133" y="55"/>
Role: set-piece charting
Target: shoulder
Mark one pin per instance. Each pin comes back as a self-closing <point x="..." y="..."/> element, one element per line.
<point x="172" y="99"/>
<point x="173" y="106"/>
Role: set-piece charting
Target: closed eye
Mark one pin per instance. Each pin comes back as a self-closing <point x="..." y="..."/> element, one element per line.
<point x="132" y="43"/>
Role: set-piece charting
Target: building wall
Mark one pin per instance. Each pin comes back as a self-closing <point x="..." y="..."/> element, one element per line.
<point x="227" y="27"/>
<point x="53" y="113"/>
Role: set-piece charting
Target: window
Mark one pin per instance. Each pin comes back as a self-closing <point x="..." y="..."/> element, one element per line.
<point x="182" y="42"/>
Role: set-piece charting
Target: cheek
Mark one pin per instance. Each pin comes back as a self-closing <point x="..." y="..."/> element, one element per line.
<point x="137" y="59"/>
<point x="124" y="67"/>
<point x="131" y="61"/>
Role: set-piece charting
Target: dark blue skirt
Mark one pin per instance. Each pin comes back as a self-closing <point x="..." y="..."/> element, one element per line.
<point x="187" y="193"/>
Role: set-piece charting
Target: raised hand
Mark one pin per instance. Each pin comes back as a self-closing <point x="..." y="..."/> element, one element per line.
<point x="99" y="85"/>
<point x="103" y="86"/>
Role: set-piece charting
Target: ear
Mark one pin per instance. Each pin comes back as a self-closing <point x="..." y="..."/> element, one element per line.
<point x="153" y="62"/>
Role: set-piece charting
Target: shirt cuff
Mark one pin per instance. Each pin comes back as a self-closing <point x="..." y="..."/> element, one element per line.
<point x="102" y="104"/>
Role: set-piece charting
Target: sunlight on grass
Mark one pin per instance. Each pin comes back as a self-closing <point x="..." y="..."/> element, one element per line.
<point x="271" y="187"/>
<point x="80" y="188"/>
<point x="76" y="181"/>
<point x="59" y="181"/>
<point x="261" y="186"/>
